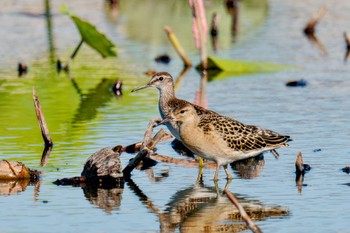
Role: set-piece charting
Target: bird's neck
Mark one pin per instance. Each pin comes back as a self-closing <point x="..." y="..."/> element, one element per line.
<point x="165" y="94"/>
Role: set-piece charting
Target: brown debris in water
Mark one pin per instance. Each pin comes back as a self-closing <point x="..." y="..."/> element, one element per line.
<point x="11" y="170"/>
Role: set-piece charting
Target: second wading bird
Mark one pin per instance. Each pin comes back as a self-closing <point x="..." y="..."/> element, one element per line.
<point x="221" y="139"/>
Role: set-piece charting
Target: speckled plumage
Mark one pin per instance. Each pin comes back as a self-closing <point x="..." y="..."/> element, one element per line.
<point x="207" y="133"/>
<point x="219" y="138"/>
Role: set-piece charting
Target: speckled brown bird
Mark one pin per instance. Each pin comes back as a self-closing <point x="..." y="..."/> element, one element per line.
<point x="220" y="138"/>
<point x="164" y="82"/>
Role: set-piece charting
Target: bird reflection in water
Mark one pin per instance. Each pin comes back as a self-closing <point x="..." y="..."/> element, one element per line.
<point x="206" y="209"/>
<point x="249" y="168"/>
<point x="107" y="198"/>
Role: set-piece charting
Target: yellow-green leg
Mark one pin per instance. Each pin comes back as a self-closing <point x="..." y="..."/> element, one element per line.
<point x="228" y="174"/>
<point x="201" y="162"/>
<point x="199" y="177"/>
<point x="216" y="172"/>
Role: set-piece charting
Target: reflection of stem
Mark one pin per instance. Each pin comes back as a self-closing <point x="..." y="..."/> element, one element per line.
<point x="75" y="85"/>
<point x="49" y="31"/>
<point x="180" y="77"/>
<point x="45" y="156"/>
<point x="235" y="21"/>
<point x="299" y="180"/>
<point x="37" y="189"/>
<point x="142" y="196"/>
<point x="318" y="43"/>
<point x="254" y="228"/>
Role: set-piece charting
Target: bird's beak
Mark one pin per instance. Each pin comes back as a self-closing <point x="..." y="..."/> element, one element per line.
<point x="141" y="87"/>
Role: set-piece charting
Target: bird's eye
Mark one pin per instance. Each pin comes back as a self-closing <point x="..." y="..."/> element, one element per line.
<point x="182" y="111"/>
<point x="161" y="78"/>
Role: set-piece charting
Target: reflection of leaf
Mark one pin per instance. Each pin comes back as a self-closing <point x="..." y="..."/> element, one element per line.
<point x="92" y="36"/>
<point x="218" y="66"/>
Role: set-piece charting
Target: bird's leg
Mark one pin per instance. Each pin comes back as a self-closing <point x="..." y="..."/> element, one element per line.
<point x="217" y="188"/>
<point x="200" y="175"/>
<point x="201" y="162"/>
<point x="216" y="172"/>
<point x="275" y="153"/>
<point x="228" y="174"/>
<point x="227" y="184"/>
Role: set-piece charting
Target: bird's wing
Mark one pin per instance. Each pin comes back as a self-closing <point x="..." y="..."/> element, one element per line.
<point x="239" y="136"/>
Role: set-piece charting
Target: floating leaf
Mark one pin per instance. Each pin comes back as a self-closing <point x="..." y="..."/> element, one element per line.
<point x="220" y="66"/>
<point x="92" y="36"/>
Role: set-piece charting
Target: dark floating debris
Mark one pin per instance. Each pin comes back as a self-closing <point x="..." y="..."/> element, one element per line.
<point x="317" y="150"/>
<point x="163" y="59"/>
<point x="117" y="88"/>
<point x="346" y="169"/>
<point x="22" y="69"/>
<point x="297" y="83"/>
<point x="103" y="169"/>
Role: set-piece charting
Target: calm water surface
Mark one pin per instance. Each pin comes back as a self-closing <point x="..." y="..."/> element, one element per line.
<point x="84" y="116"/>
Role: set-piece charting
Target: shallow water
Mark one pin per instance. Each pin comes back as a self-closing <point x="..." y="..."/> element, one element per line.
<point x="84" y="116"/>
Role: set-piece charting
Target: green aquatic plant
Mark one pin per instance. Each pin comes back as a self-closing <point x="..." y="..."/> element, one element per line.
<point x="91" y="36"/>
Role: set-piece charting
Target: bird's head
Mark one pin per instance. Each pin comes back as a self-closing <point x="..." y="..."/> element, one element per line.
<point x="160" y="80"/>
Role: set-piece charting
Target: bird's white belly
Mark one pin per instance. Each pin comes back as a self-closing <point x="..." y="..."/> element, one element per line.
<point x="215" y="149"/>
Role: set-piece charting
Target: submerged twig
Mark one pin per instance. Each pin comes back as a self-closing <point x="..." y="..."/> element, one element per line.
<point x="43" y="126"/>
<point x="254" y="228"/>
